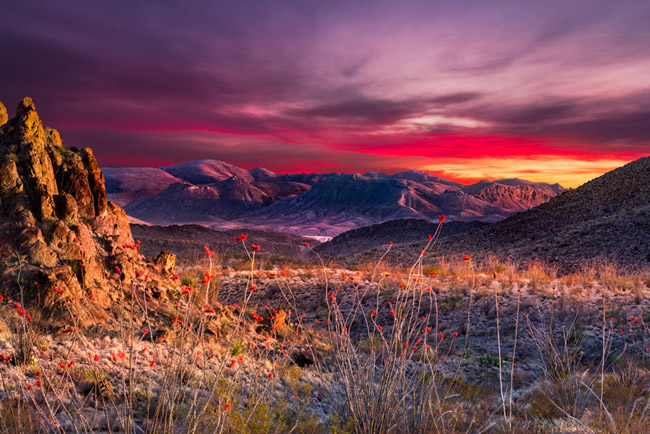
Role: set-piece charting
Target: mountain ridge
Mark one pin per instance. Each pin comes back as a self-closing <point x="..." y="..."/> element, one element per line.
<point x="311" y="204"/>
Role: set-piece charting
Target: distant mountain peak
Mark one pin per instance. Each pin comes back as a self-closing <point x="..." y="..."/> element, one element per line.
<point x="321" y="203"/>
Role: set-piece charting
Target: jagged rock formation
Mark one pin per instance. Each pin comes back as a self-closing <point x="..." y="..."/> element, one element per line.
<point x="61" y="240"/>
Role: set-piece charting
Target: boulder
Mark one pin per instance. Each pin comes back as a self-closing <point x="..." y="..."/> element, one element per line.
<point x="166" y="262"/>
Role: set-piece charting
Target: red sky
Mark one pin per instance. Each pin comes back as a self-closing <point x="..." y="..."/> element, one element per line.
<point x="551" y="91"/>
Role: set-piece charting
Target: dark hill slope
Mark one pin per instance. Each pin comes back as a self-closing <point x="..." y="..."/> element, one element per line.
<point x="608" y="216"/>
<point x="402" y="231"/>
<point x="187" y="241"/>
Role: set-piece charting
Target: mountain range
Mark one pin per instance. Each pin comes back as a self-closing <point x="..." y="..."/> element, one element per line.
<point x="608" y="218"/>
<point x="221" y="196"/>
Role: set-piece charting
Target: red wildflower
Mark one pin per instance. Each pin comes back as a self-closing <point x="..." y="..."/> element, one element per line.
<point x="208" y="251"/>
<point x="441" y="218"/>
<point x="306" y="244"/>
<point x="255" y="247"/>
<point x="467" y="258"/>
<point x="226" y="407"/>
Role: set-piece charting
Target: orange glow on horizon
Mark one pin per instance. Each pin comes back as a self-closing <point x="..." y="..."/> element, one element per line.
<point x="570" y="173"/>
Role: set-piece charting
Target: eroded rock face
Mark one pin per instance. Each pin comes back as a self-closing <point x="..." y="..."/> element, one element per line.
<point x="55" y="221"/>
<point x="167" y="263"/>
<point x="3" y="114"/>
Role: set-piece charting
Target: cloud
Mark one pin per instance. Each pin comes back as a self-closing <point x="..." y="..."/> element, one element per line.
<point x="335" y="85"/>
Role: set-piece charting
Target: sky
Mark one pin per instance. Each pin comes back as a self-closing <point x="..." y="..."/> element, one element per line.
<point x="553" y="91"/>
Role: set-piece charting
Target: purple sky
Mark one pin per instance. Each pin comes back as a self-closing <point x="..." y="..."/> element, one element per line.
<point x="545" y="90"/>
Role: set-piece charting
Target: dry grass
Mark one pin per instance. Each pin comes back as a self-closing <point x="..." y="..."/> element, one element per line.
<point x="435" y="348"/>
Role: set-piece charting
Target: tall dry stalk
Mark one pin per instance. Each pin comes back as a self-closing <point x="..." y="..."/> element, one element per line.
<point x="512" y="367"/>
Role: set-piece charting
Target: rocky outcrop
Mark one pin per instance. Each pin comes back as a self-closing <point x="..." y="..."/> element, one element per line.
<point x="3" y="114"/>
<point x="61" y="239"/>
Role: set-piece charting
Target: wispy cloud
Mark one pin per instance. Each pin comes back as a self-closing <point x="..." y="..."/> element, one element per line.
<point x="340" y="85"/>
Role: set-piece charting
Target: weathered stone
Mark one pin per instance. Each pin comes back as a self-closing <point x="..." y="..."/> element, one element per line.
<point x="29" y="235"/>
<point x="72" y="178"/>
<point x="3" y="114"/>
<point x="15" y="202"/>
<point x="166" y="262"/>
<point x="66" y="207"/>
<point x="29" y="129"/>
<point x="96" y="181"/>
<point x="40" y="254"/>
<point x="52" y="137"/>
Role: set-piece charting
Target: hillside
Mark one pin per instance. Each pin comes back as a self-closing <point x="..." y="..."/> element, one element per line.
<point x="399" y="232"/>
<point x="606" y="218"/>
<point x="187" y="241"/>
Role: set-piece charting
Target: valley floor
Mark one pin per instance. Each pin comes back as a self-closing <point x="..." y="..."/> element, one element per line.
<point x="377" y="349"/>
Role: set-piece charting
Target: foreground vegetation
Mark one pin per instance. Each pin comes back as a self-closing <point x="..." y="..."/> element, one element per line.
<point x="443" y="346"/>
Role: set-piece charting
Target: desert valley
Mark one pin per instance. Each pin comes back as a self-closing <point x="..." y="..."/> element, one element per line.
<point x="325" y="217"/>
<point x="426" y="306"/>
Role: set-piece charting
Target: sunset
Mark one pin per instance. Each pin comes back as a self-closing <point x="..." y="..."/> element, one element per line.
<point x="342" y="86"/>
<point x="325" y="217"/>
